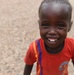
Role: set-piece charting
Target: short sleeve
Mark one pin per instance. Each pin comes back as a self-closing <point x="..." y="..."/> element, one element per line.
<point x="30" y="55"/>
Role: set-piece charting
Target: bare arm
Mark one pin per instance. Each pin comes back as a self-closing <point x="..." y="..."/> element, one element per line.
<point x="27" y="69"/>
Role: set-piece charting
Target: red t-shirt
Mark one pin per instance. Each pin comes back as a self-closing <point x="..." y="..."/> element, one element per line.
<point x="50" y="64"/>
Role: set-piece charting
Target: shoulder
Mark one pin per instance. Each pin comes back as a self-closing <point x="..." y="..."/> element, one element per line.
<point x="34" y="43"/>
<point x="69" y="44"/>
<point x="70" y="41"/>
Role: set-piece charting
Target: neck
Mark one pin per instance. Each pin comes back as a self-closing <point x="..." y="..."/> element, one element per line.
<point x="54" y="50"/>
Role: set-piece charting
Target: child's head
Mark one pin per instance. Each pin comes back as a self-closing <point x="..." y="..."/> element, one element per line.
<point x="54" y="21"/>
<point x="66" y="3"/>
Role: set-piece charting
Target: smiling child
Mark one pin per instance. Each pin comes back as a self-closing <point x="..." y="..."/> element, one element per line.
<point x="54" y="49"/>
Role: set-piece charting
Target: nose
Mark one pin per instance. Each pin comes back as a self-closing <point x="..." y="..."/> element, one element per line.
<point x="52" y="31"/>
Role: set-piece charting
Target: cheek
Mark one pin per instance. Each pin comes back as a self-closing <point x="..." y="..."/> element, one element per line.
<point x="42" y="32"/>
<point x="63" y="33"/>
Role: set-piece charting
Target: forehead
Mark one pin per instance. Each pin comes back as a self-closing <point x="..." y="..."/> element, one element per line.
<point x="54" y="9"/>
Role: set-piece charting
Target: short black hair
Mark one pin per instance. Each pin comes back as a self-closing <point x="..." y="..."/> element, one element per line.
<point x="66" y="2"/>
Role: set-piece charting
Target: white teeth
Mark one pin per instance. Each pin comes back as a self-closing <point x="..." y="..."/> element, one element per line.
<point x="52" y="40"/>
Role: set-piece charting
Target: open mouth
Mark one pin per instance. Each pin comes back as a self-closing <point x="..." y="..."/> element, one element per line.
<point x="52" y="40"/>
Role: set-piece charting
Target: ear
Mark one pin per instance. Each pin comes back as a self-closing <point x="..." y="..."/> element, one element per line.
<point x="70" y="25"/>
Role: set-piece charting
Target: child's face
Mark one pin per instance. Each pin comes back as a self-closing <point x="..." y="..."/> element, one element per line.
<point x="54" y="24"/>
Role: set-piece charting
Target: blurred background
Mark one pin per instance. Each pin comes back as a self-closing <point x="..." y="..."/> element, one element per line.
<point x="18" y="28"/>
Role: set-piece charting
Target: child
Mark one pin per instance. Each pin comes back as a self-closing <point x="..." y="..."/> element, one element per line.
<point x="53" y="50"/>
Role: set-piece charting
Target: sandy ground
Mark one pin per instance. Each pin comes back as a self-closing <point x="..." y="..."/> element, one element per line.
<point x="18" y="28"/>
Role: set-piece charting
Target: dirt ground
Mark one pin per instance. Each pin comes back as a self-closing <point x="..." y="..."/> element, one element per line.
<point x="18" y="28"/>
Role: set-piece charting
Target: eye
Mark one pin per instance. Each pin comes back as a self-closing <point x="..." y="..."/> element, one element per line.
<point x="61" y="25"/>
<point x="45" y="25"/>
